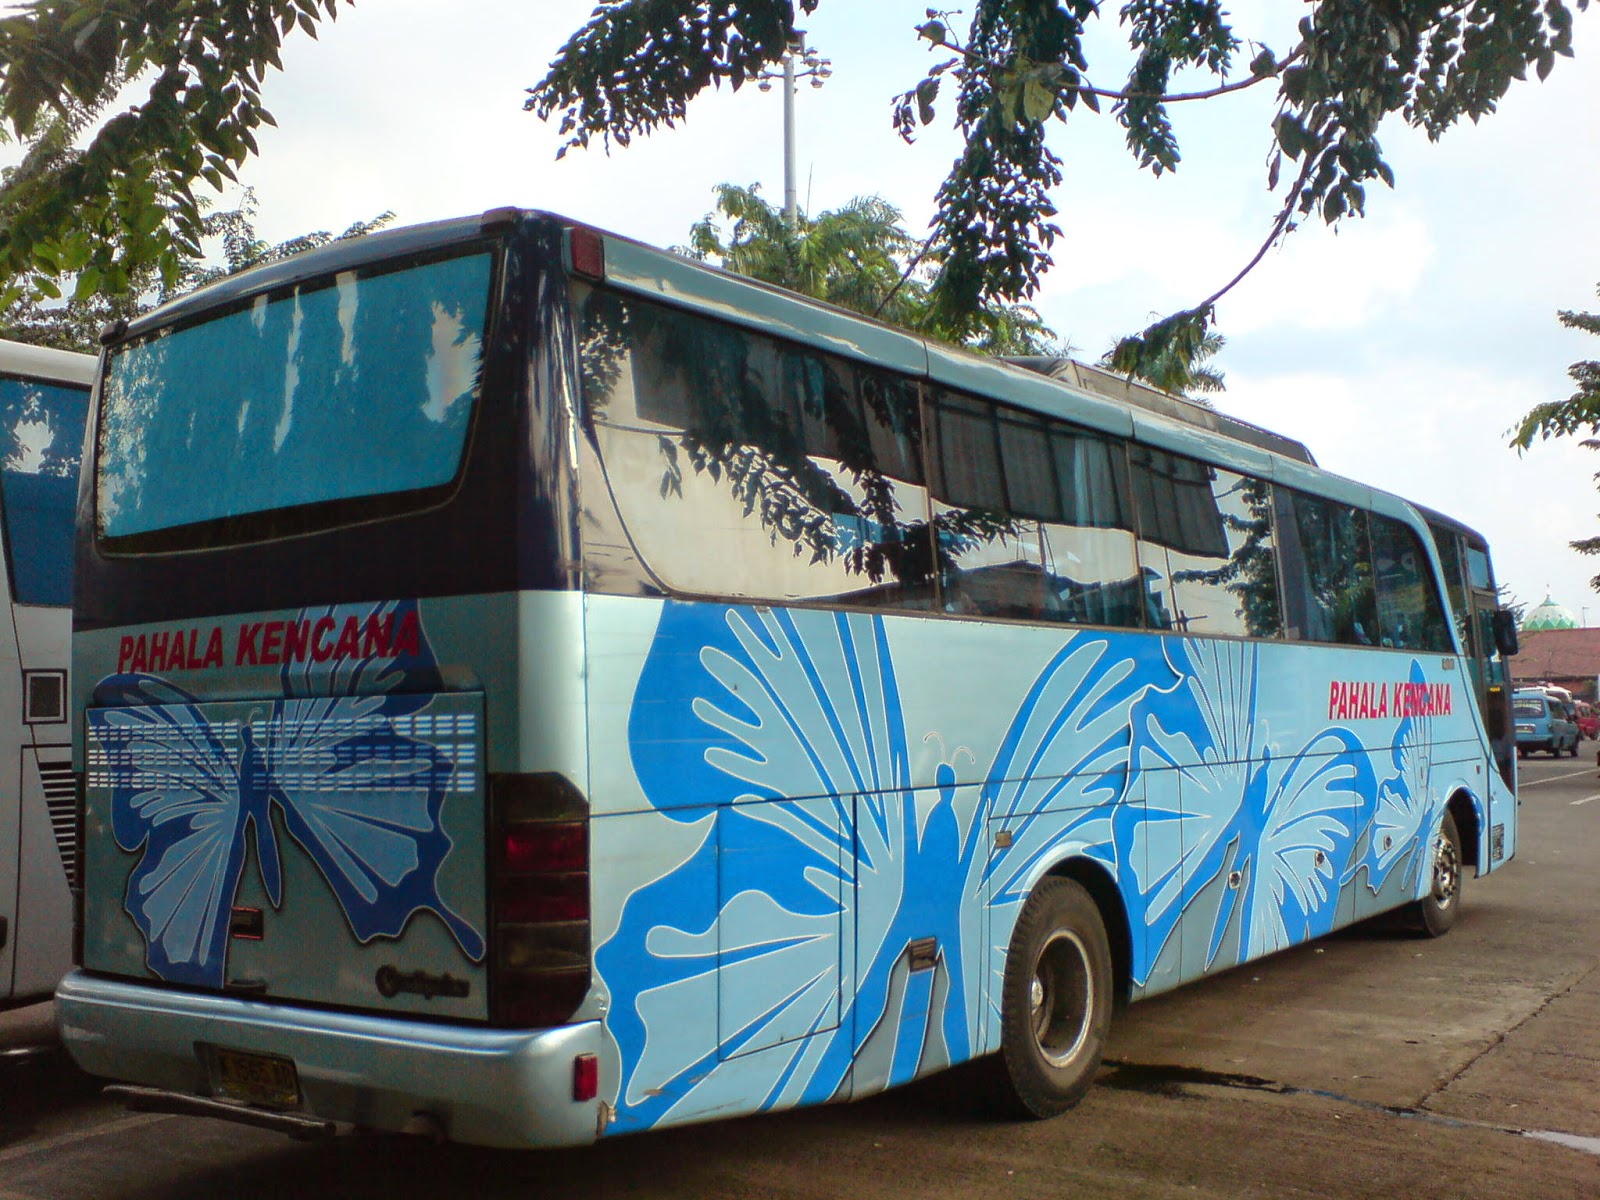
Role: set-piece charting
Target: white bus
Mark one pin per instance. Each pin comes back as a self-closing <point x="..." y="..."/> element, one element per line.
<point x="44" y="399"/>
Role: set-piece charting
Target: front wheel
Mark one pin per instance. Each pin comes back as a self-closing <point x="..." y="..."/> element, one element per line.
<point x="1436" y="911"/>
<point x="1055" y="1007"/>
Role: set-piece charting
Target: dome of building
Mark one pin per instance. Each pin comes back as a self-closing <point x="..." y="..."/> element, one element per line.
<point x="1549" y="615"/>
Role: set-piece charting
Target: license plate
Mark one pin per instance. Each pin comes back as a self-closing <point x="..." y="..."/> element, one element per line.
<point x="255" y="1078"/>
<point x="1524" y="728"/>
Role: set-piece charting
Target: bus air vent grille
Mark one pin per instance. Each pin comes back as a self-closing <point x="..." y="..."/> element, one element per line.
<point x="59" y="796"/>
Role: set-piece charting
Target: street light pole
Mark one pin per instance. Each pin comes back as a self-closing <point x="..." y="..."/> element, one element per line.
<point x="791" y="203"/>
<point x="799" y="62"/>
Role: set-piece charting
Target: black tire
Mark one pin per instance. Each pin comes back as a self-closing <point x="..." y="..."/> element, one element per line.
<point x="1436" y="912"/>
<point x="1055" y="1004"/>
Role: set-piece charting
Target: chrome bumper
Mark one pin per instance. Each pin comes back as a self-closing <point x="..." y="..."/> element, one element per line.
<point x="488" y="1087"/>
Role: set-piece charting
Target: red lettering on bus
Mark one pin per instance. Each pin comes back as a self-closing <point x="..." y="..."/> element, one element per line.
<point x="321" y="651"/>
<point x="271" y="641"/>
<point x="158" y="651"/>
<point x="349" y="639"/>
<point x="408" y="638"/>
<point x="377" y="636"/>
<point x="213" y="656"/>
<point x="246" y="652"/>
<point x="296" y="640"/>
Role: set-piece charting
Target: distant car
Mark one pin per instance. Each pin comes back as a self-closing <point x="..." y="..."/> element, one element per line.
<point x="1588" y="720"/>
<point x="1544" y="721"/>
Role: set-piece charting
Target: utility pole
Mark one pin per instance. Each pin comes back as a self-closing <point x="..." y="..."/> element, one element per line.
<point x="799" y="62"/>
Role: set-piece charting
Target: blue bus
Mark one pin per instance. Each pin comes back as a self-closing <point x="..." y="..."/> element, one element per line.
<point x="531" y="687"/>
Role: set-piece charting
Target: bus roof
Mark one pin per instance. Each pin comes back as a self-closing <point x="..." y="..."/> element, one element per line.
<point x="42" y="362"/>
<point x="1088" y="395"/>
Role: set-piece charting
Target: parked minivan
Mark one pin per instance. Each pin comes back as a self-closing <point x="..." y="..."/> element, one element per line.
<point x="1545" y="721"/>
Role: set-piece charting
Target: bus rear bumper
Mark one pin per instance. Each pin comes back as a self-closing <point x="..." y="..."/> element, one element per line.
<point x="488" y="1087"/>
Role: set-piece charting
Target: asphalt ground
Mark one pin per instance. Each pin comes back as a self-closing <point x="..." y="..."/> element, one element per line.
<point x="1373" y="1063"/>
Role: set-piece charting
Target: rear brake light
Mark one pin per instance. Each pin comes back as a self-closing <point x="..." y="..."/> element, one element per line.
<point x="540" y="899"/>
<point x="545" y="846"/>
<point x="588" y="251"/>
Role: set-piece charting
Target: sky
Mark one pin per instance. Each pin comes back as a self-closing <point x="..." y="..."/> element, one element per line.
<point x="1401" y="347"/>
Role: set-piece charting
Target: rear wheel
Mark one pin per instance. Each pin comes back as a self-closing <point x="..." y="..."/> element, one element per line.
<point x="1436" y="911"/>
<point x="1055" y="1006"/>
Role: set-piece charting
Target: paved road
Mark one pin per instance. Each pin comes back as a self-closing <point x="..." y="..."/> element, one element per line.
<point x="1369" y="1064"/>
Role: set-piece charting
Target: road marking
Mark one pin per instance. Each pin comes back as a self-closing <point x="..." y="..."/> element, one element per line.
<point x="1528" y="783"/>
<point x="1586" y="800"/>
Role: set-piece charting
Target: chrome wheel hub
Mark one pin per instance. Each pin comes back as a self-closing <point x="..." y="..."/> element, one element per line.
<point x="1446" y="871"/>
<point x="1061" y="998"/>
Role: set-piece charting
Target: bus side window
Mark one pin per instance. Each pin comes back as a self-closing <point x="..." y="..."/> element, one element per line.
<point x="43" y="425"/>
<point x="1031" y="518"/>
<point x="1328" y="589"/>
<point x="1410" y="616"/>
<point x="1206" y="546"/>
<point x="749" y="468"/>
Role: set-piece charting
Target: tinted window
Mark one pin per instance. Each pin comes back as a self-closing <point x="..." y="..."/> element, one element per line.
<point x="1410" y="616"/>
<point x="1032" y="518"/>
<point x="359" y="386"/>
<point x="1478" y="572"/>
<point x="1327" y="570"/>
<point x="744" y="466"/>
<point x="43" y="425"/>
<point x="1206" y="546"/>
<point x="1448" y="546"/>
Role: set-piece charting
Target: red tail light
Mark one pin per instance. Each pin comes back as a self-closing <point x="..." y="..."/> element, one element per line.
<point x="545" y="847"/>
<point x="586" y="1077"/>
<point x="540" y="899"/>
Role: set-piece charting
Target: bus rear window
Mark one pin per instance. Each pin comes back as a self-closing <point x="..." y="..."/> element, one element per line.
<point x="355" y="387"/>
<point x="39" y="484"/>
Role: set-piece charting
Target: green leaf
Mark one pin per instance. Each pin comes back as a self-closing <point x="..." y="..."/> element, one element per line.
<point x="1038" y="100"/>
<point x="88" y="284"/>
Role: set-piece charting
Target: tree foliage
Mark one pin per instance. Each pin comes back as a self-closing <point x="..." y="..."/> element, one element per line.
<point x="858" y="257"/>
<point x="1020" y="72"/>
<point x="105" y="190"/>
<point x="1579" y="412"/>
<point x="75" y="322"/>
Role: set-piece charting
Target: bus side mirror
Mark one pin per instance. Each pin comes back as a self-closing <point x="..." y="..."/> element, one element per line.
<point x="1505" y="633"/>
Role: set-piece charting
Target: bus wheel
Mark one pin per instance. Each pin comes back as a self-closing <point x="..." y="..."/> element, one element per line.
<point x="1437" y="910"/>
<point x="1055" y="1004"/>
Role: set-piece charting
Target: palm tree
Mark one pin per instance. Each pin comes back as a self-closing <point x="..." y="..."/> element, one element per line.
<point x="1177" y="368"/>
<point x="859" y="257"/>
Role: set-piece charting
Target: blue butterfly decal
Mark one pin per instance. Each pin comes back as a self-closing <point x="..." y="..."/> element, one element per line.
<point x="191" y="787"/>
<point x="738" y="707"/>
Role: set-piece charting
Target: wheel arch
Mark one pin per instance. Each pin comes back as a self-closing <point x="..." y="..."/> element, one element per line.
<point x="1097" y="880"/>
<point x="1463" y="806"/>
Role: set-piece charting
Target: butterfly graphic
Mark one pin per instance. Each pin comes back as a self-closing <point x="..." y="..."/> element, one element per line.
<point x="781" y="738"/>
<point x="1406" y="808"/>
<point x="1221" y="796"/>
<point x="193" y="786"/>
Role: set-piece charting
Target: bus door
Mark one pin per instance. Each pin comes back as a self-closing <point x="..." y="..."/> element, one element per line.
<point x="1491" y="678"/>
